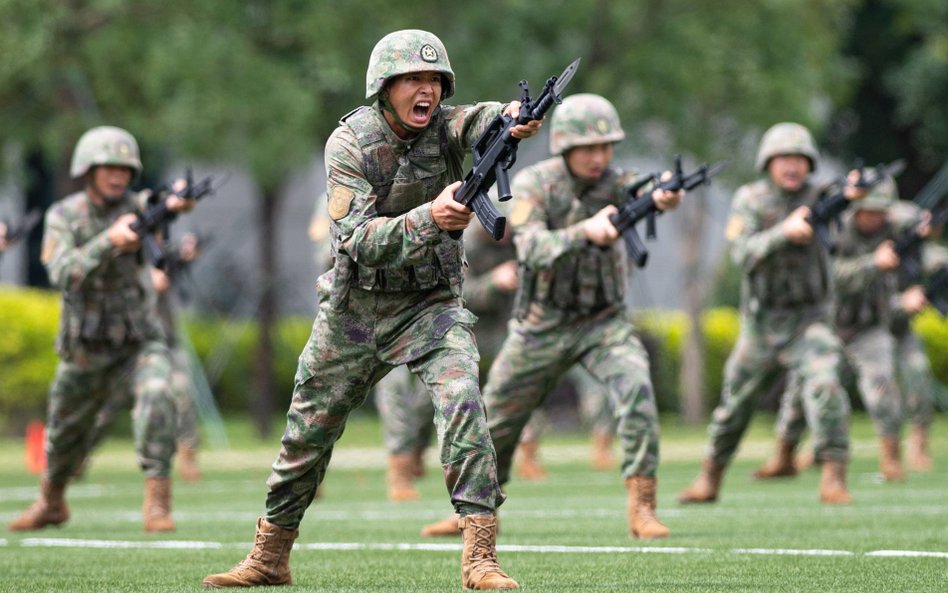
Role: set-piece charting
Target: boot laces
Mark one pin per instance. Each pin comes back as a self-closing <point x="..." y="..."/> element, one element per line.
<point x="484" y="554"/>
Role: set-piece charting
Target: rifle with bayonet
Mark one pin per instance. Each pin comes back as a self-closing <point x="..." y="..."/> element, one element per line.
<point x="495" y="152"/>
<point x="832" y="201"/>
<point x="156" y="218"/>
<point x="639" y="207"/>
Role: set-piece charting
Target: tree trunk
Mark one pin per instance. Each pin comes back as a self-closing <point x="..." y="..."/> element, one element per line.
<point x="262" y="406"/>
<point x="692" y="386"/>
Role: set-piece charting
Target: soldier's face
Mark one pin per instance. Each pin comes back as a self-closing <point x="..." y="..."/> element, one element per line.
<point x="109" y="183"/>
<point x="415" y="96"/>
<point x="870" y="222"/>
<point x="789" y="171"/>
<point x="589" y="162"/>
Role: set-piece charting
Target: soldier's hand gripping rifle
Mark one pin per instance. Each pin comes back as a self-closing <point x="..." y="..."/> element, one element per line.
<point x="833" y="201"/>
<point x="495" y="151"/>
<point x="639" y="207"/>
<point x="157" y="217"/>
<point x="908" y="246"/>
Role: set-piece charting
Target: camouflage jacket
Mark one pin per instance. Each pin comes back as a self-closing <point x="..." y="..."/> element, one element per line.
<point x="379" y="192"/>
<point x="105" y="298"/>
<point x="864" y="293"/>
<point x="777" y="274"/>
<point x="563" y="275"/>
<point x="491" y="305"/>
<point x="906" y="215"/>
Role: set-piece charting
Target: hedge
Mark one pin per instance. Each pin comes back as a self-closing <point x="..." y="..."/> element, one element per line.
<point x="226" y="347"/>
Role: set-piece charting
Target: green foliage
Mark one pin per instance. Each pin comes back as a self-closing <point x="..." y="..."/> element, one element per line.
<point x="30" y="320"/>
<point x="933" y="329"/>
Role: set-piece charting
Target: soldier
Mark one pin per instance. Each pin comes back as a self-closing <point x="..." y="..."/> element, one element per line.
<point x="393" y="297"/>
<point x="570" y="305"/>
<point x="109" y="341"/>
<point x="785" y="315"/>
<point x="865" y="274"/>
<point x="3" y="236"/>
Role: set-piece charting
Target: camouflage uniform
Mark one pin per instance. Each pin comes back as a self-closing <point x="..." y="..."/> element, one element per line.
<point x="392" y="298"/>
<point x="108" y="342"/>
<point x="570" y="309"/>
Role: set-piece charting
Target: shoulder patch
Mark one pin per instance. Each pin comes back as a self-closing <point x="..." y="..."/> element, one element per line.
<point x="521" y="212"/>
<point x="340" y="200"/>
<point x="734" y="227"/>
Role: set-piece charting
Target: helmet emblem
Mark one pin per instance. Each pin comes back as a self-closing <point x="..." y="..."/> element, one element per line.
<point x="124" y="149"/>
<point x="602" y="125"/>
<point x="429" y="53"/>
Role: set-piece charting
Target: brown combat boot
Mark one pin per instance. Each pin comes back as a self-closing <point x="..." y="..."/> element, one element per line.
<point x="643" y="523"/>
<point x="706" y="485"/>
<point x="157" y="506"/>
<point x="418" y="463"/>
<point x="804" y="461"/>
<point x="268" y="563"/>
<point x="49" y="509"/>
<point x="444" y="528"/>
<point x="479" y="567"/>
<point x="401" y="477"/>
<point x="528" y="461"/>
<point x="919" y="458"/>
<point x="890" y="459"/>
<point x="188" y="465"/>
<point x="833" y="483"/>
<point x="603" y="458"/>
<point x="781" y="465"/>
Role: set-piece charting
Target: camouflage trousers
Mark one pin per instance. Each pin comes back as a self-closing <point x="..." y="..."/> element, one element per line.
<point x="182" y="392"/>
<point x="407" y="414"/>
<point x="594" y="405"/>
<point x="531" y="361"/>
<point x="916" y="381"/>
<point x="802" y="345"/>
<point x="88" y="383"/>
<point x="870" y="355"/>
<point x="352" y="346"/>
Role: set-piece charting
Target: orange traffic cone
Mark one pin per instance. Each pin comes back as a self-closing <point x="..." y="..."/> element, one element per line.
<point x="35" y="447"/>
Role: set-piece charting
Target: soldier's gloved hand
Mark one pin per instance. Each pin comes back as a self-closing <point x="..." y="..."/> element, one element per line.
<point x="599" y="229"/>
<point x="884" y="257"/>
<point x="122" y="237"/>
<point x="523" y="130"/>
<point x="176" y="203"/>
<point x="795" y="227"/>
<point x="504" y="277"/>
<point x="914" y="300"/>
<point x="448" y="214"/>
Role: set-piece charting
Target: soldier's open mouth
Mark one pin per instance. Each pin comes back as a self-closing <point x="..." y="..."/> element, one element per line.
<point x="420" y="112"/>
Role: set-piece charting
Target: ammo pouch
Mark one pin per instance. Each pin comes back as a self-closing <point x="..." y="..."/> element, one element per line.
<point x="584" y="282"/>
<point x="792" y="278"/>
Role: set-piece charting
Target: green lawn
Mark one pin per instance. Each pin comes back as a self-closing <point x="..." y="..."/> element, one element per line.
<point x="567" y="533"/>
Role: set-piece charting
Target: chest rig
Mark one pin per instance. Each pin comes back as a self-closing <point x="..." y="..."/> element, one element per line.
<point x="110" y="309"/>
<point x="869" y="306"/>
<point x="404" y="177"/>
<point x="795" y="275"/>
<point x="580" y="281"/>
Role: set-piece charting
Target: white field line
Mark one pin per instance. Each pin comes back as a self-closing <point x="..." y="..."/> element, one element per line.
<point x="38" y="542"/>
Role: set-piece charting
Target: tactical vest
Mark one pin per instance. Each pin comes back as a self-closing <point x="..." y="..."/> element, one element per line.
<point x="795" y="275"/>
<point x="111" y="309"/>
<point x="868" y="306"/>
<point x="582" y="281"/>
<point x="402" y="181"/>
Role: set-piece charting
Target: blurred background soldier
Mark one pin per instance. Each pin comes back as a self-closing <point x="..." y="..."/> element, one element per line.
<point x="786" y="326"/>
<point x="570" y="305"/>
<point x="392" y="298"/>
<point x="109" y="341"/>
<point x="865" y="271"/>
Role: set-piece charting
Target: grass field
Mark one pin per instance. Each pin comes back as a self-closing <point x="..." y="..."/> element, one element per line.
<point x="567" y="533"/>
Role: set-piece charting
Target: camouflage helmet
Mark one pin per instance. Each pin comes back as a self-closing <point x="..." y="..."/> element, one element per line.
<point x="582" y="120"/>
<point x="880" y="198"/>
<point x="105" y="145"/>
<point x="410" y="50"/>
<point x="783" y="139"/>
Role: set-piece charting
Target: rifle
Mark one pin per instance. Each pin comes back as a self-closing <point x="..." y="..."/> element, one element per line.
<point x="832" y="202"/>
<point x="908" y="247"/>
<point x="495" y="152"/>
<point x="157" y="218"/>
<point x="639" y="207"/>
<point x="936" y="291"/>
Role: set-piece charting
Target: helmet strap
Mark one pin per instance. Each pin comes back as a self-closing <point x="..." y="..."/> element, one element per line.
<point x="386" y="106"/>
